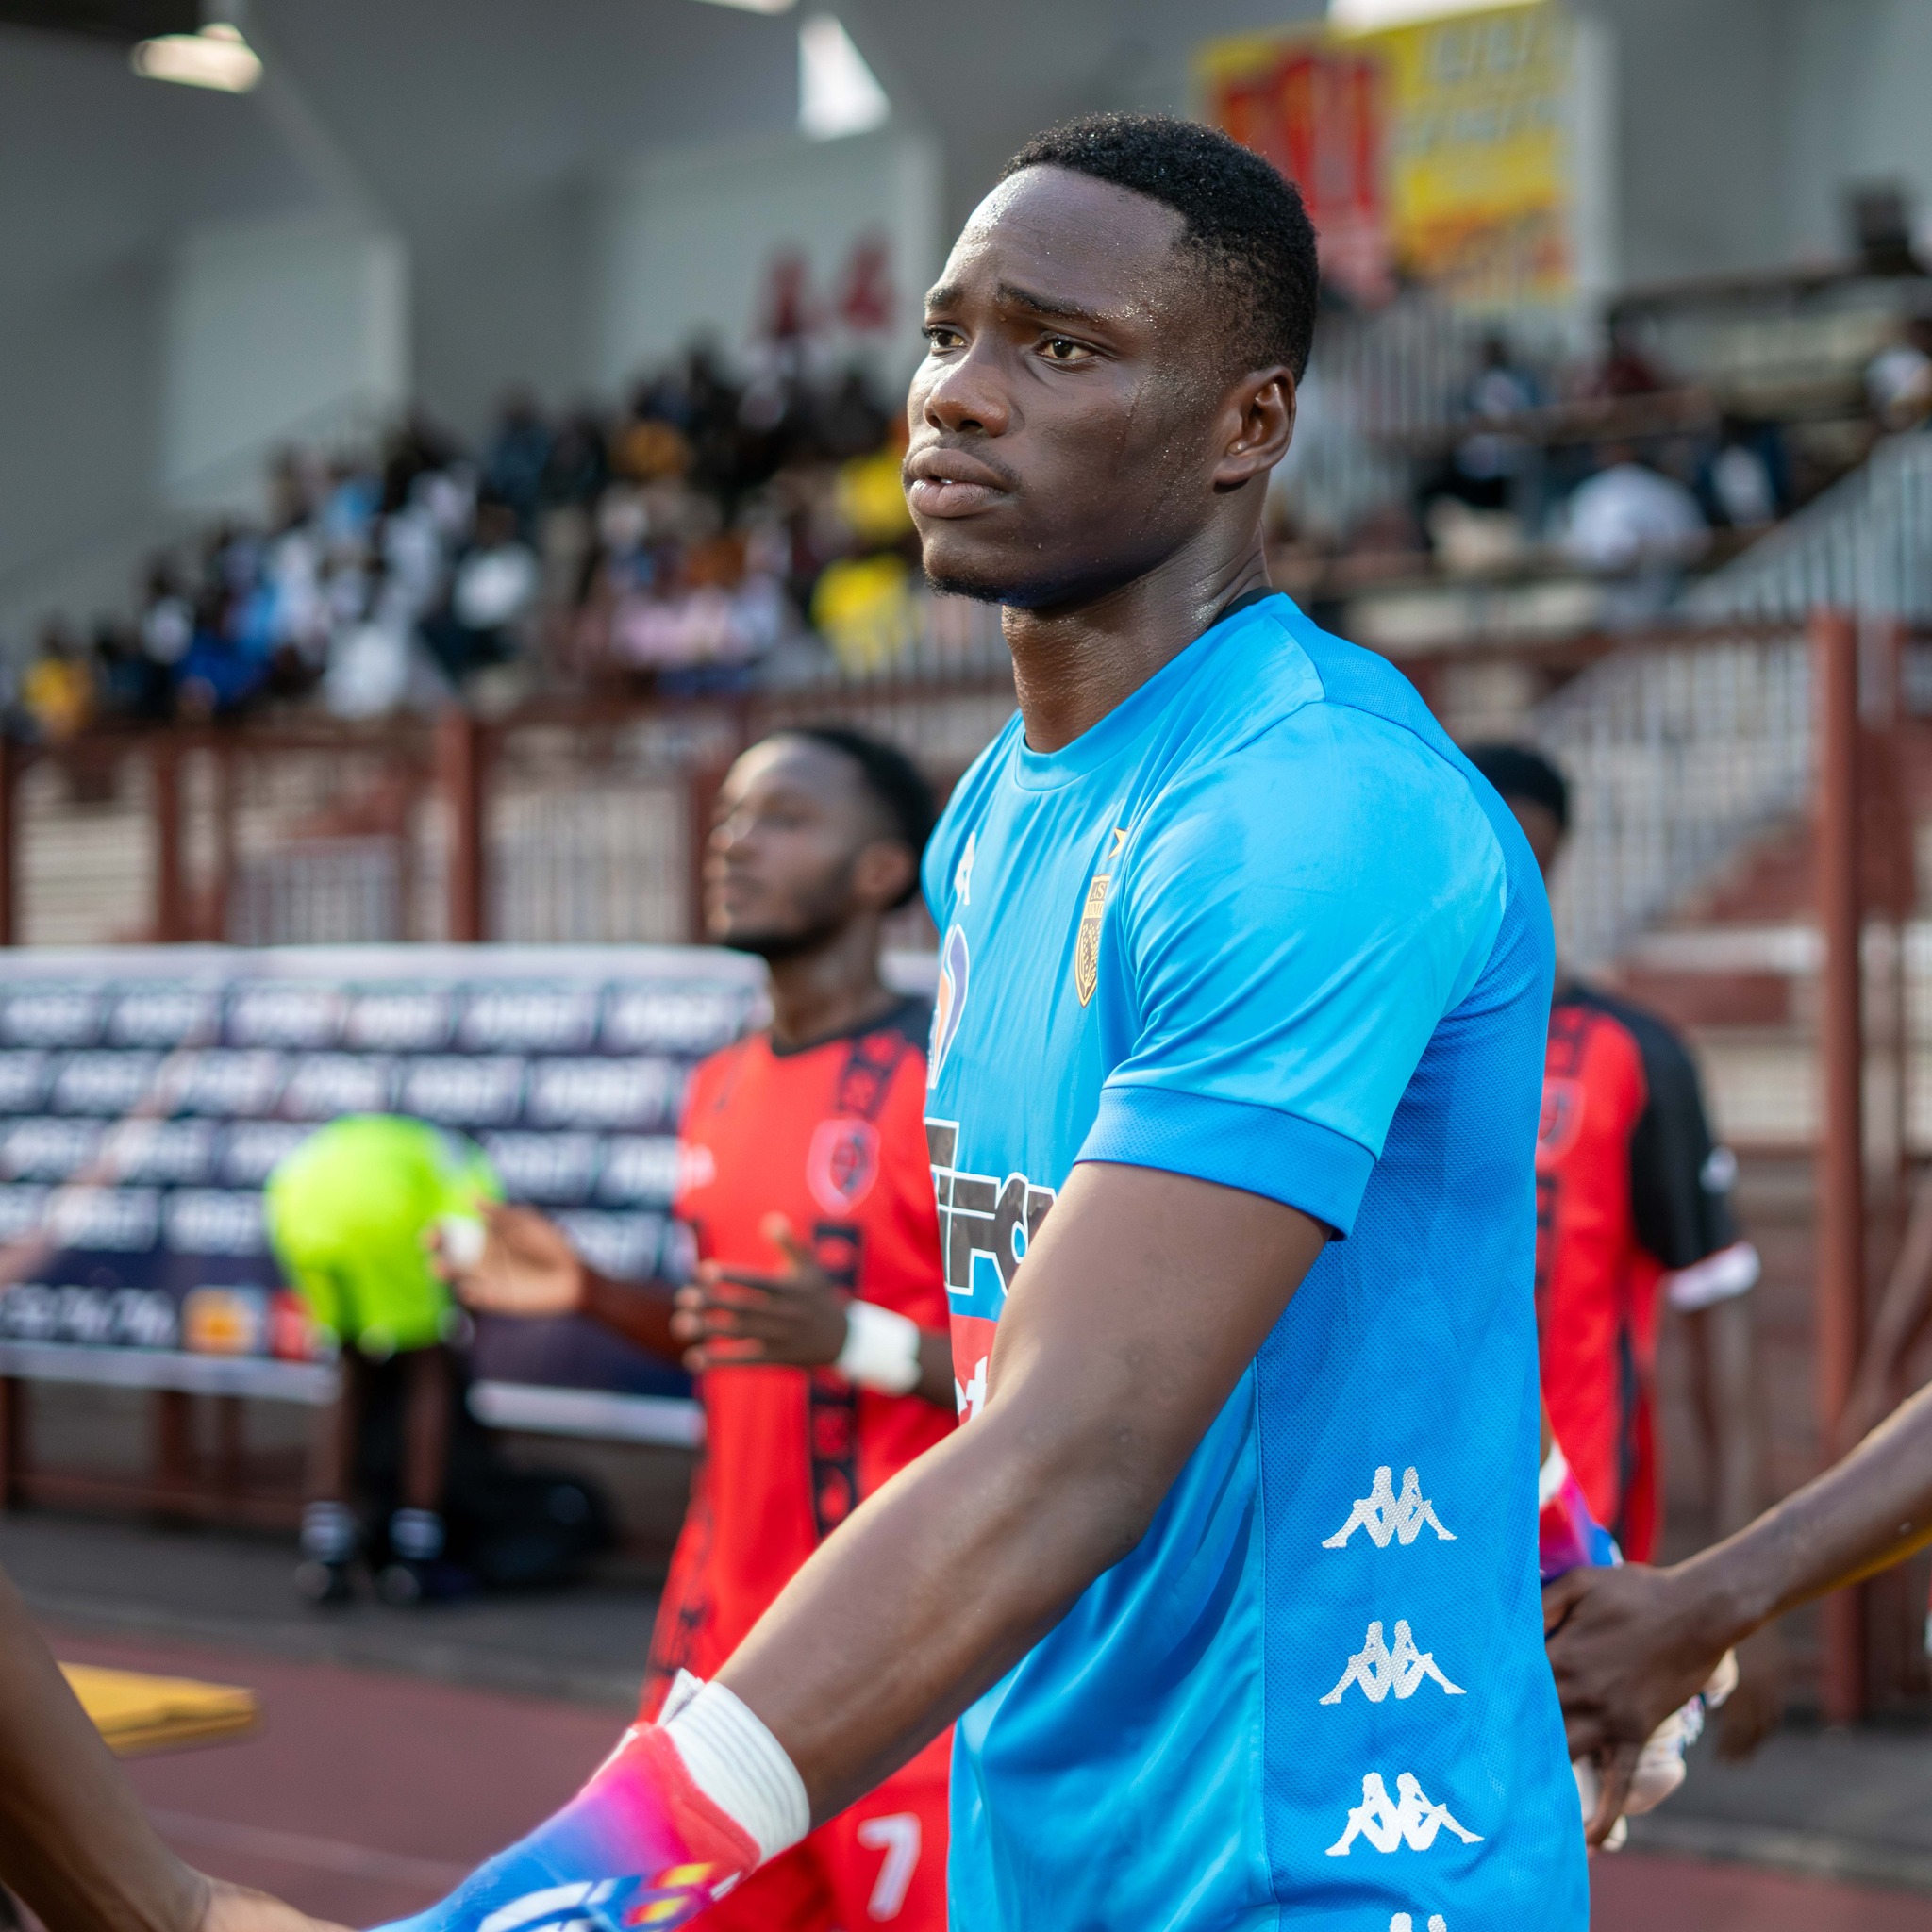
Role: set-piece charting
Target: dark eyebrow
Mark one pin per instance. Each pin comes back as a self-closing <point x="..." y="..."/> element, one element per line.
<point x="1013" y="296"/>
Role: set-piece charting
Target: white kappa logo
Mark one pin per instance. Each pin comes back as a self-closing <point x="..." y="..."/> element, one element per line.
<point x="1402" y="1922"/>
<point x="1410" y="1819"/>
<point x="1378" y="1670"/>
<point x="1385" y="1515"/>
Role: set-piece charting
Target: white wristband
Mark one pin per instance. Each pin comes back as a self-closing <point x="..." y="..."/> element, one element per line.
<point x="881" y="1349"/>
<point x="464" y="1239"/>
<point x="737" y="1763"/>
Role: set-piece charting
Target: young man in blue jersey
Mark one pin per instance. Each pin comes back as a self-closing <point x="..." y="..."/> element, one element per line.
<point x="1230" y="1580"/>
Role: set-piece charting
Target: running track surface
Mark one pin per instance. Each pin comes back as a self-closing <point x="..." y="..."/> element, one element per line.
<point x="365" y="1795"/>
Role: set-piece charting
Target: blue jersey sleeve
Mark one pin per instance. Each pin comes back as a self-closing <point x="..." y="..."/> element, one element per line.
<point x="1295" y="921"/>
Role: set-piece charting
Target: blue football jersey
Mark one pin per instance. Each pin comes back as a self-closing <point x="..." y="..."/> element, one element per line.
<point x="1264" y="925"/>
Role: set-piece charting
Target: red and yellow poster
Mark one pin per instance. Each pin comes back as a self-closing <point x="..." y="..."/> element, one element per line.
<point x="1440" y="153"/>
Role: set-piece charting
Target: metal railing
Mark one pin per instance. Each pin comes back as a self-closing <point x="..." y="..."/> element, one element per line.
<point x="1865" y="545"/>
<point x="579" y="821"/>
<point x="1681" y="752"/>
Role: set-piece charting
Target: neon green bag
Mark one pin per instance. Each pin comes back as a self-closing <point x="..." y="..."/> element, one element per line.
<point x="348" y="1213"/>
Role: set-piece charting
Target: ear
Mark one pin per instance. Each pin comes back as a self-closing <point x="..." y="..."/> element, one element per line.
<point x="1259" y="415"/>
<point x="883" y="870"/>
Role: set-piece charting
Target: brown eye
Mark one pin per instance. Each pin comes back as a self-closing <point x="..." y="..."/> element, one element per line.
<point x="1064" y="349"/>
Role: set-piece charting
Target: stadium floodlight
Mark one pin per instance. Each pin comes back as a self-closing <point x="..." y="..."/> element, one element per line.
<point x="217" y="57"/>
<point x="1367" y="16"/>
<point x="755" y="5"/>
<point x="838" y="93"/>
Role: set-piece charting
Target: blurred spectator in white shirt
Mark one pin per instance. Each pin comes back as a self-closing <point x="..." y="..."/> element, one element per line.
<point x="1630" y="516"/>
<point x="492" y="592"/>
<point x="1898" y="380"/>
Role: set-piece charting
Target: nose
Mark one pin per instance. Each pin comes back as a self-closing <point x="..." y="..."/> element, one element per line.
<point x="728" y="833"/>
<point x="966" y="392"/>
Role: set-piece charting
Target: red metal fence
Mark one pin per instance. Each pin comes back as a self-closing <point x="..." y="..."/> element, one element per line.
<point x="1697" y="753"/>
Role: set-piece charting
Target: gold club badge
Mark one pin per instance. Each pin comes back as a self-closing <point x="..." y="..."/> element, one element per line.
<point x="1086" y="947"/>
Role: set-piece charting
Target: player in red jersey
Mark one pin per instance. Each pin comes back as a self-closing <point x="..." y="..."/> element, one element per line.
<point x="1632" y="1206"/>
<point x="818" y="1316"/>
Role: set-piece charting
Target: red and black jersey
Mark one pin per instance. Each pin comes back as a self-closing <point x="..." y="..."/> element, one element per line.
<point x="1627" y="1189"/>
<point x="832" y="1137"/>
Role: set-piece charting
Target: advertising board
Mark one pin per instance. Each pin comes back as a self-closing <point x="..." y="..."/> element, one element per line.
<point x="146" y="1093"/>
<point x="1444" y="153"/>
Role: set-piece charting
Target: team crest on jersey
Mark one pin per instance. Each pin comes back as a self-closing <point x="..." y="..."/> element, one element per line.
<point x="843" y="1163"/>
<point x="1560" y="1121"/>
<point x="1087" y="943"/>
<point x="949" y="1003"/>
<point x="1086" y="947"/>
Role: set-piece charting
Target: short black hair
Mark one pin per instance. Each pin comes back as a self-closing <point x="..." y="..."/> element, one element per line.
<point x="1517" y="771"/>
<point x="896" y="785"/>
<point x="1246" y="221"/>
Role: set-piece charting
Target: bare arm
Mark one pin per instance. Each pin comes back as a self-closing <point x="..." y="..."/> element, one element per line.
<point x="529" y="1268"/>
<point x="790" y="1318"/>
<point x="1141" y="1303"/>
<point x="641" y="1311"/>
<point x="1629" y="1647"/>
<point x="75" y="1842"/>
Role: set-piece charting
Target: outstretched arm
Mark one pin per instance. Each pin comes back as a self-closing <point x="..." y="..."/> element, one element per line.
<point x="74" y="1841"/>
<point x="1629" y="1646"/>
<point x="793" y="1318"/>
<point x="1142" y="1299"/>
<point x="528" y="1267"/>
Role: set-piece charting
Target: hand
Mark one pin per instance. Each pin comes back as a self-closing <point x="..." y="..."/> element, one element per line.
<point x="528" y="1266"/>
<point x="1627" y="1647"/>
<point x="235" y="1908"/>
<point x="640" y="1840"/>
<point x="739" y="1317"/>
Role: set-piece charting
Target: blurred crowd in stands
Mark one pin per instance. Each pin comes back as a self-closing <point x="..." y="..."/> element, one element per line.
<point x="1617" y="465"/>
<point x="707" y="528"/>
<point x="714" y="531"/>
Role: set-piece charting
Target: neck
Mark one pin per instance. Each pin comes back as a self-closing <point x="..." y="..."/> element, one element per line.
<point x="831" y="988"/>
<point x="1073" y="664"/>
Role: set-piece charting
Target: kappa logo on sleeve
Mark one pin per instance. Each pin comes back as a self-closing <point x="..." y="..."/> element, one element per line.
<point x="1410" y="1818"/>
<point x="1388" y="1517"/>
<point x="1377" y="1670"/>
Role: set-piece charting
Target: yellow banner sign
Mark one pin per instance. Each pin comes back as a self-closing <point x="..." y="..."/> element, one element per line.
<point x="1442" y="152"/>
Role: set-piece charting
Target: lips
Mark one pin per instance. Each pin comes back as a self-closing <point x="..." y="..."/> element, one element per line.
<point x="951" y="483"/>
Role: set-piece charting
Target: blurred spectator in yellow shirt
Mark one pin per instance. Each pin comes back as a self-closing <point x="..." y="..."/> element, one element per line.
<point x="59" y="688"/>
